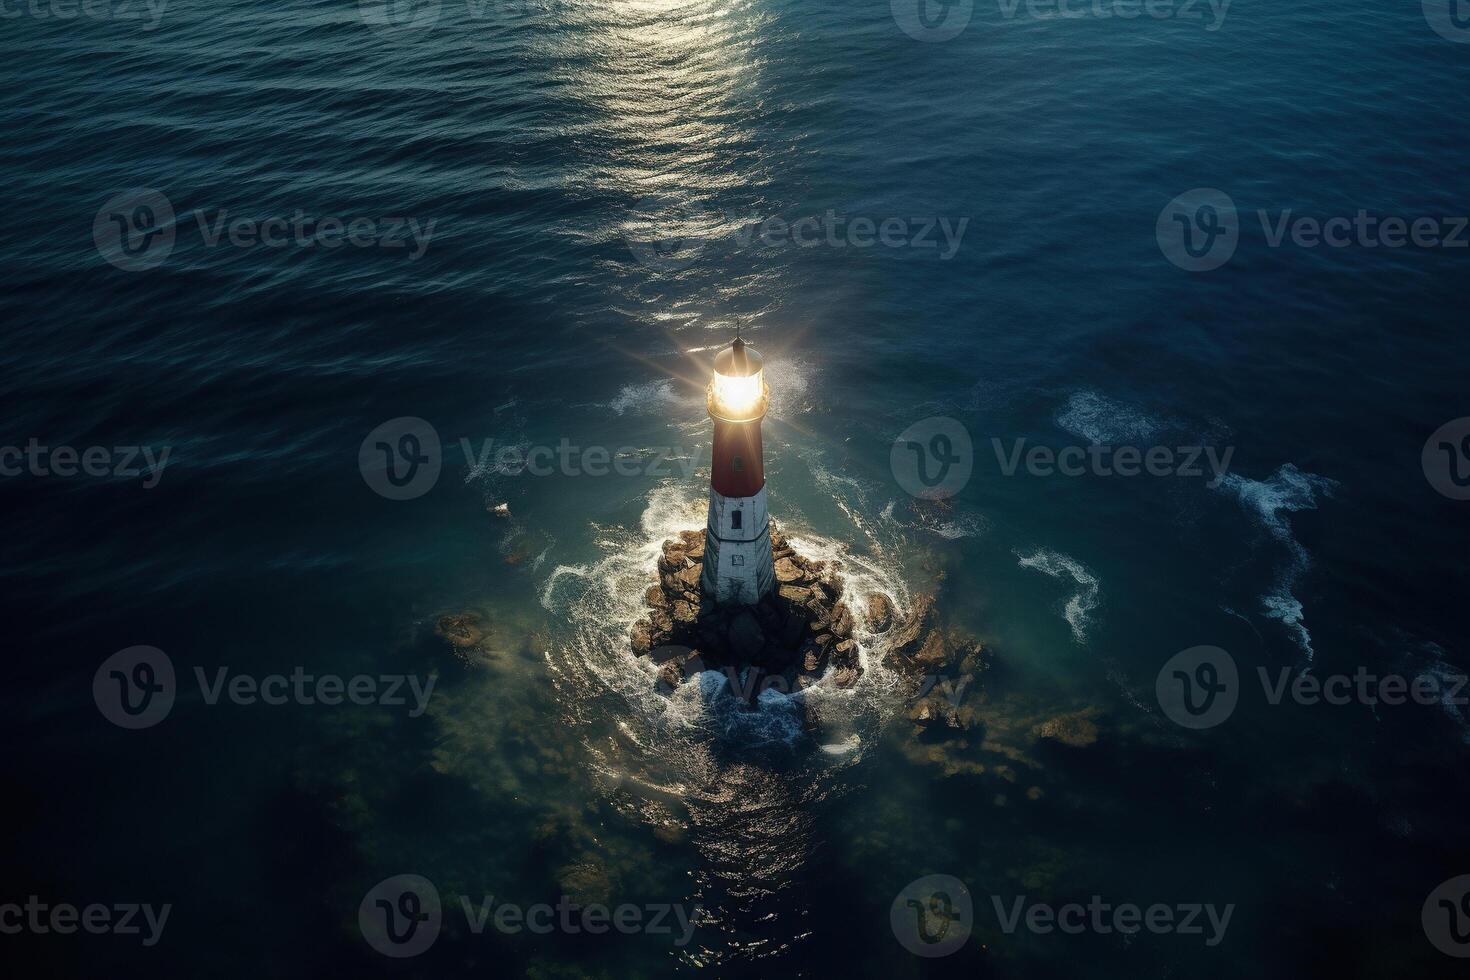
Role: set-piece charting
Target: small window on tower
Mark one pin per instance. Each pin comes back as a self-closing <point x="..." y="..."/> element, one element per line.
<point x="737" y="559"/>
<point x="734" y="520"/>
<point x="736" y="464"/>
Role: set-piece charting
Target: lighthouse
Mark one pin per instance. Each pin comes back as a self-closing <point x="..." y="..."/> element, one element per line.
<point x="737" y="548"/>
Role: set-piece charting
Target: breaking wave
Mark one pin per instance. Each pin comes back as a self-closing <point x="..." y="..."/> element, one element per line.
<point x="1105" y="421"/>
<point x="1078" y="609"/>
<point x="1288" y="490"/>
<point x="648" y="398"/>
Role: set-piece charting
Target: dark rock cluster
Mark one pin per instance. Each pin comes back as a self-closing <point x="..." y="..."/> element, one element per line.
<point x="943" y="663"/>
<point x="794" y="633"/>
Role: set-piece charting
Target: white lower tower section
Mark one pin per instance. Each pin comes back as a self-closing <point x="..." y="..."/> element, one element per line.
<point x="737" y="549"/>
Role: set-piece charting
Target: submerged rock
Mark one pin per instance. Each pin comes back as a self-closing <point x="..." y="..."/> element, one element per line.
<point x="462" y="631"/>
<point x="1076" y="730"/>
<point x="585" y="883"/>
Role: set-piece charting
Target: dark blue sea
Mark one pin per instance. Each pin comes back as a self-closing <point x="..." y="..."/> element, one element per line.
<point x="276" y="240"/>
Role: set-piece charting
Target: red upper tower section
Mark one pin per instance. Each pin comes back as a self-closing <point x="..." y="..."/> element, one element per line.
<point x="738" y="470"/>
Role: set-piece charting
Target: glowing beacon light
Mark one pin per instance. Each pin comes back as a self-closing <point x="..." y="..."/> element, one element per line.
<point x="737" y="540"/>
<point x="738" y="392"/>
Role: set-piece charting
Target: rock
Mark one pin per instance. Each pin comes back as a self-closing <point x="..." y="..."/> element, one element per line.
<point x="795" y="594"/>
<point x="848" y="676"/>
<point x="879" y="612"/>
<point x="913" y="630"/>
<point x="585" y="883"/>
<point x="933" y="654"/>
<point x="1076" y="730"/>
<point x="841" y="620"/>
<point x="688" y="578"/>
<point x="745" y="636"/>
<point x="786" y="571"/>
<point x="831" y="581"/>
<point x="937" y="711"/>
<point x="683" y="613"/>
<point x="642" y="638"/>
<point x="819" y="613"/>
<point x="672" y="559"/>
<point x="463" y="631"/>
<point x="655" y="597"/>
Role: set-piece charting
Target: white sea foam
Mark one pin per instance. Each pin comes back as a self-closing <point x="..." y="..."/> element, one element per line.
<point x="1288" y="490"/>
<point x="1105" y="421"/>
<point x="648" y="398"/>
<point x="1078" y="608"/>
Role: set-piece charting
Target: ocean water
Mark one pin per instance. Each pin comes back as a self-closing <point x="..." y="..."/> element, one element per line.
<point x="562" y="209"/>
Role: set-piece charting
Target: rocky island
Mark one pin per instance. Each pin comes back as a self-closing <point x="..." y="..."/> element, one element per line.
<point x="790" y="638"/>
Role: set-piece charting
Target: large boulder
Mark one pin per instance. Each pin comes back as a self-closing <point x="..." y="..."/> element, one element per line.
<point x="911" y="633"/>
<point x="642" y="638"/>
<point x="879" y="612"/>
<point x="795" y="594"/>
